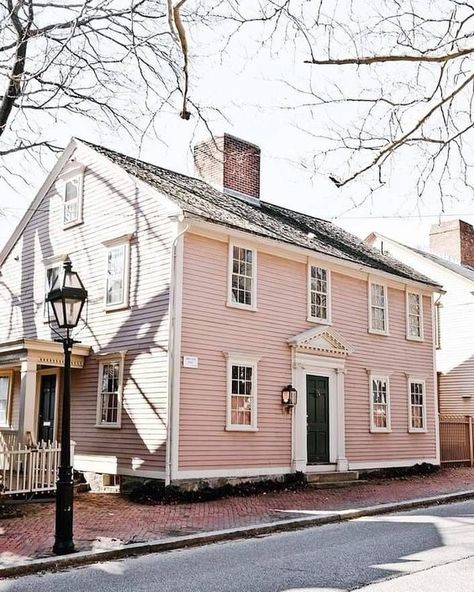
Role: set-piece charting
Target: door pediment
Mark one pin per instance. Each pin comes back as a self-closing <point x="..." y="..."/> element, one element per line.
<point x="322" y="340"/>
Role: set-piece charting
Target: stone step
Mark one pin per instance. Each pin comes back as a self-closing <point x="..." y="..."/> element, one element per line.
<point x="337" y="484"/>
<point x="332" y="477"/>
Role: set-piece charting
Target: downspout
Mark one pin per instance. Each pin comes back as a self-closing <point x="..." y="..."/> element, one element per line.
<point x="171" y="347"/>
<point x="435" y="375"/>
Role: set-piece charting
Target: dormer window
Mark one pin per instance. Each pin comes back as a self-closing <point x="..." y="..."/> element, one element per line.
<point x="72" y="198"/>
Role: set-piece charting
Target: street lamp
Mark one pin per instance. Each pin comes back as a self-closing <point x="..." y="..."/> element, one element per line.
<point x="66" y="297"/>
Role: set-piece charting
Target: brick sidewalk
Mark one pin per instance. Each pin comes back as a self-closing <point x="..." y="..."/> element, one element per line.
<point x="106" y="520"/>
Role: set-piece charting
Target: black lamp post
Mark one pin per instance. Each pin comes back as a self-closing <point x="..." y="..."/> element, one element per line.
<point x="66" y="297"/>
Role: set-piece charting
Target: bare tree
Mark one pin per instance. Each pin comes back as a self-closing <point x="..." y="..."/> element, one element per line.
<point x="398" y="78"/>
<point x="379" y="82"/>
<point x="107" y="60"/>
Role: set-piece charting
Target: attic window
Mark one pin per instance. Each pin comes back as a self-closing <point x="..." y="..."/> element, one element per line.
<point x="72" y="200"/>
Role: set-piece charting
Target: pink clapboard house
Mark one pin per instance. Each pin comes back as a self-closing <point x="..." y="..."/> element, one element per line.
<point x="206" y="304"/>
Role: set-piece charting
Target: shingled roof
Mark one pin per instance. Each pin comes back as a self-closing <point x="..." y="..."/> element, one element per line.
<point x="200" y="200"/>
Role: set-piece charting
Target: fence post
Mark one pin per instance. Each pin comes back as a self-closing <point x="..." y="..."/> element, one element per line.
<point x="471" y="449"/>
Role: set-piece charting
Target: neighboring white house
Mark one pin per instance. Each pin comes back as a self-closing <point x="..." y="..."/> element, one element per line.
<point x="450" y="262"/>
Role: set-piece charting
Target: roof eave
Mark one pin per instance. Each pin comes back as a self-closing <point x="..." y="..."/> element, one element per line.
<point x="430" y="286"/>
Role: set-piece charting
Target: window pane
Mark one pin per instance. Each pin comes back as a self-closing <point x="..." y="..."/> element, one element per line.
<point x="109" y="393"/>
<point x="417" y="405"/>
<point x="378" y="307"/>
<point x="116" y="275"/>
<point x="71" y="200"/>
<point x="241" y="395"/>
<point x="379" y="403"/>
<point x="4" y="390"/>
<point x="319" y="288"/>
<point x="242" y="275"/>
<point x="414" y="315"/>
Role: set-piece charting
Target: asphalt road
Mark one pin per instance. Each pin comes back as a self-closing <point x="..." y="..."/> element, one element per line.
<point x="429" y="550"/>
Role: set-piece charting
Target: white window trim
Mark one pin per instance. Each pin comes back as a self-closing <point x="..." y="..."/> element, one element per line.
<point x="386" y="377"/>
<point x="407" y="308"/>
<point x="234" y="359"/>
<point x="230" y="256"/>
<point x="9" y="375"/>
<point x="424" y="429"/>
<point x="372" y="282"/>
<point x="310" y="318"/>
<point x="110" y="244"/>
<point x="77" y="172"/>
<point x="117" y="357"/>
<point x="50" y="263"/>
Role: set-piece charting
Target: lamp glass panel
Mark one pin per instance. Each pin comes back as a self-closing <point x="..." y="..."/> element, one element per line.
<point x="71" y="280"/>
<point x="72" y="309"/>
<point x="58" y="310"/>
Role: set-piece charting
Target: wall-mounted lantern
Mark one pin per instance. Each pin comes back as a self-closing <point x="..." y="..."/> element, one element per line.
<point x="289" y="396"/>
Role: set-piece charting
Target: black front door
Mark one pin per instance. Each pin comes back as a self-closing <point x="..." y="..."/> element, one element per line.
<point x="317" y="401"/>
<point x="46" y="408"/>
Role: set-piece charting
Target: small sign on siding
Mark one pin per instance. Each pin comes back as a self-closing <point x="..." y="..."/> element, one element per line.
<point x="190" y="362"/>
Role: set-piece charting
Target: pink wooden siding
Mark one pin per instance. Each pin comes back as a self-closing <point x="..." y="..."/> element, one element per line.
<point x="113" y="206"/>
<point x="210" y="328"/>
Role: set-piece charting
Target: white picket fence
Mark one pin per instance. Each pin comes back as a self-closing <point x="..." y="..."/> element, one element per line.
<point x="26" y="469"/>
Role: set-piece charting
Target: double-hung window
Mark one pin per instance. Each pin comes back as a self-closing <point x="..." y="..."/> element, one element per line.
<point x="414" y="306"/>
<point x="379" y="403"/>
<point x="241" y="393"/>
<point x="109" y="395"/>
<point x="378" y="308"/>
<point x="72" y="199"/>
<point x="5" y="397"/>
<point x="319" y="303"/>
<point x="117" y="273"/>
<point x="52" y="273"/>
<point x="416" y="406"/>
<point x="242" y="277"/>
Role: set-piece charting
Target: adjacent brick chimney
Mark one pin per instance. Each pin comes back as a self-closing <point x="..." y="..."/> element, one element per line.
<point x="453" y="240"/>
<point x="231" y="165"/>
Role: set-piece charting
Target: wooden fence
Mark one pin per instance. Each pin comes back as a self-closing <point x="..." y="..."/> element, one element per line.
<point x="26" y="470"/>
<point x="456" y="439"/>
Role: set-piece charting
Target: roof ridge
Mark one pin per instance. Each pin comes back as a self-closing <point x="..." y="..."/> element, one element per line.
<point x="199" y="199"/>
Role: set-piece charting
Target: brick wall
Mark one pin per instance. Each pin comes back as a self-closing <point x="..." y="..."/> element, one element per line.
<point x="230" y="163"/>
<point x="453" y="240"/>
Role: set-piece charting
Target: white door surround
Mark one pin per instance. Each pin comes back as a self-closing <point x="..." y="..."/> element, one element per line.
<point x="319" y="352"/>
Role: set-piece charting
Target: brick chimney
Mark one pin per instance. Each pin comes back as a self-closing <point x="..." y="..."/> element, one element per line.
<point x="453" y="240"/>
<point x="231" y="165"/>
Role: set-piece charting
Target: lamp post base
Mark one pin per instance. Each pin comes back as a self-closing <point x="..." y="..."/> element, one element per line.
<point x="63" y="542"/>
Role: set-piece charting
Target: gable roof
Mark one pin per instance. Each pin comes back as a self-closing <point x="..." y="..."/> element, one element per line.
<point x="465" y="271"/>
<point x="200" y="200"/>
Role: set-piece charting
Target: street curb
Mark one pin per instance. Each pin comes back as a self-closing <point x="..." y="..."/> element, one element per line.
<point x="82" y="558"/>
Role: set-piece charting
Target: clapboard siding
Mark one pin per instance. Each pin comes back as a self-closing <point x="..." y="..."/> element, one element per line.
<point x="455" y="358"/>
<point x="113" y="206"/>
<point x="210" y="328"/>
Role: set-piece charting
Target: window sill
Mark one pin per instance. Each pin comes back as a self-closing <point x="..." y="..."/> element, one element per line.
<point x="417" y="431"/>
<point x="411" y="338"/>
<point x="375" y="332"/>
<point x="240" y="429"/>
<point x="380" y="430"/>
<point x="241" y="306"/>
<point x="115" y="307"/>
<point x="72" y="224"/>
<point x="319" y="321"/>
<point x="114" y="426"/>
